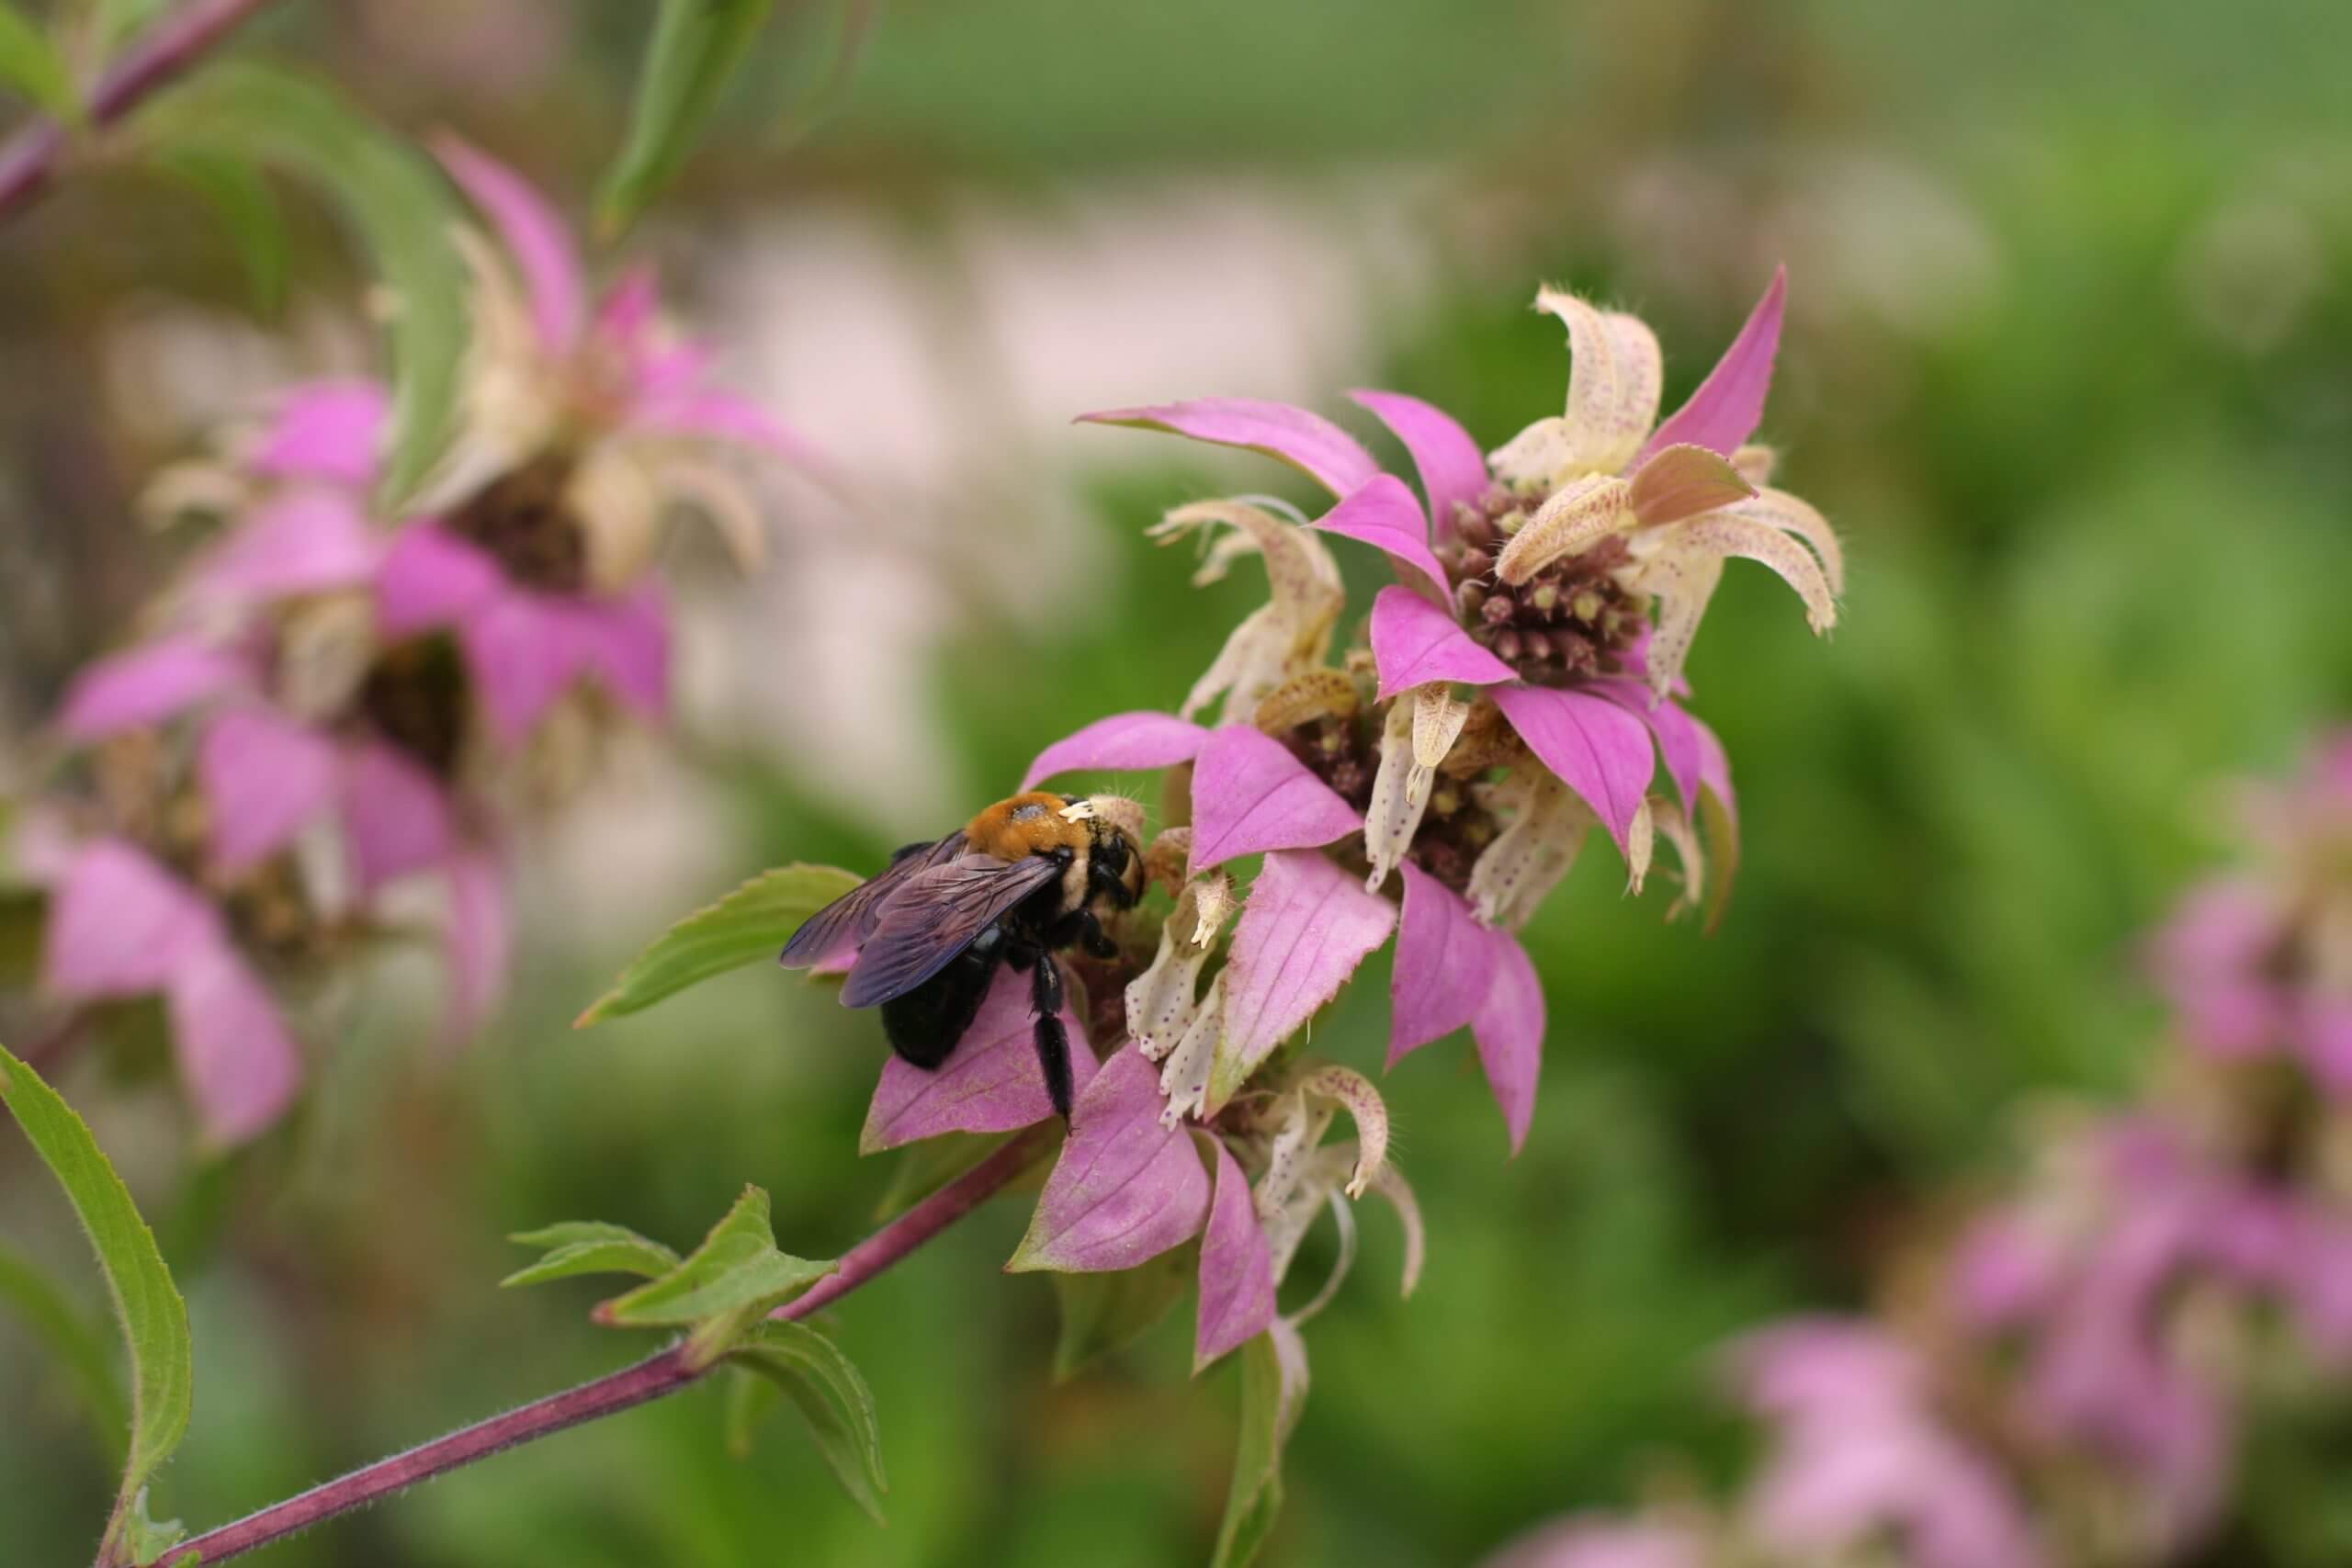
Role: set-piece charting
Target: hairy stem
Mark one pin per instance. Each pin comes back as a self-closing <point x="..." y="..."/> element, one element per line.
<point x="650" y="1379"/>
<point x="150" y="59"/>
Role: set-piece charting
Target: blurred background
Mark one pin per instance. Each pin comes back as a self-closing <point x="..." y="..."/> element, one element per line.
<point x="2068" y="363"/>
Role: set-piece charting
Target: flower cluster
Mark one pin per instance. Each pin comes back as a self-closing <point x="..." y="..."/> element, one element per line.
<point x="2080" y="1383"/>
<point x="333" y="703"/>
<point x="1517" y="687"/>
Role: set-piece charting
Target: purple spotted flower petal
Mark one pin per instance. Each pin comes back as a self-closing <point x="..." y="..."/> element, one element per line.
<point x="1118" y="743"/>
<point x="1590" y="744"/>
<point x="538" y="241"/>
<point x="1307" y="441"/>
<point x="1251" y="795"/>
<point x="1306" y="928"/>
<point x="1676" y="731"/>
<point x="989" y="1083"/>
<point x="1414" y="642"/>
<point x="398" y="817"/>
<point x="1510" y="1030"/>
<point x="235" y="1054"/>
<point x="1445" y="965"/>
<point x="120" y="925"/>
<point x="264" y="776"/>
<point x="1723" y="412"/>
<point x="1384" y="514"/>
<point x="1126" y="1187"/>
<point x="431" y="578"/>
<point x="1453" y="467"/>
<point x="479" y="940"/>
<point x="147" y="684"/>
<point x="305" y="542"/>
<point x="329" y="431"/>
<point x="1237" y="1267"/>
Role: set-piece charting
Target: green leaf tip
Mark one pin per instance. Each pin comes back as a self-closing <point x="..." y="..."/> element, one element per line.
<point x="749" y="924"/>
<point x="695" y="49"/>
<point x="721" y="1289"/>
<point x="831" y="1396"/>
<point x="147" y="1304"/>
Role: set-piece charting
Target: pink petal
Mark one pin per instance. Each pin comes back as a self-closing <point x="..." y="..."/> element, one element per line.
<point x="240" y="1062"/>
<point x="1126" y="1188"/>
<point x="479" y="940"/>
<point x="1307" y="441"/>
<point x="1590" y="744"/>
<point x="1251" y="795"/>
<point x="1453" y="467"/>
<point x="626" y="641"/>
<point x="398" y="817"/>
<point x="2323" y="1028"/>
<point x="326" y="429"/>
<point x="1123" y="741"/>
<point x="1510" y="1030"/>
<point x="1445" y="965"/>
<point x="432" y="577"/>
<point x="119" y="924"/>
<point x="1384" y="514"/>
<point x="304" y="542"/>
<point x="1676" y="731"/>
<point x="626" y="317"/>
<point x="523" y="651"/>
<point x="538" y="241"/>
<point x="1306" y="929"/>
<point x="146" y="684"/>
<point x="720" y="415"/>
<point x="1414" y="642"/>
<point x="1586" y="1542"/>
<point x="1723" y="412"/>
<point x="1237" y="1268"/>
<point x="2004" y="1270"/>
<point x="989" y="1083"/>
<point x="264" y="776"/>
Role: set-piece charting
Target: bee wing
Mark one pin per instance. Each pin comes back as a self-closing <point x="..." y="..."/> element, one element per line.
<point x="851" y="917"/>
<point x="936" y="916"/>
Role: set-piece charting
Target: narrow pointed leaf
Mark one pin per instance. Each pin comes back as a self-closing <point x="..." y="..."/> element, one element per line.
<point x="696" y="45"/>
<point x="723" y="1286"/>
<point x="589" y="1247"/>
<point x="749" y="925"/>
<point x="831" y="1396"/>
<point x="153" y="1316"/>
<point x="393" y="198"/>
<point x="1273" y="1387"/>
<point x="247" y="212"/>
<point x="72" y="1341"/>
<point x="31" y="66"/>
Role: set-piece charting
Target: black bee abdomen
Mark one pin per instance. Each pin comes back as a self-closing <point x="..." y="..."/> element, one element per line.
<point x="924" y="1024"/>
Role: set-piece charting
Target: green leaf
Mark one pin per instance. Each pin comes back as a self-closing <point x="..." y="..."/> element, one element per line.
<point x="143" y="1539"/>
<point x="117" y="19"/>
<point x="241" y="198"/>
<point x="31" y="64"/>
<point x="590" y="1246"/>
<point x="1102" y="1313"/>
<point x="722" y="1287"/>
<point x="750" y="1397"/>
<point x="75" y="1344"/>
<point x="1273" y="1387"/>
<point x="696" y="45"/>
<point x="154" y="1318"/>
<point x="392" y="197"/>
<point x="751" y="923"/>
<point x="833" y="1397"/>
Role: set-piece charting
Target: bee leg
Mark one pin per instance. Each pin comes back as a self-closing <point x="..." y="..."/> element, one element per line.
<point x="1106" y="877"/>
<point x="1053" y="1040"/>
<point x="1092" y="936"/>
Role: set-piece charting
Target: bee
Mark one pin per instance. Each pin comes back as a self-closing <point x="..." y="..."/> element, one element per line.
<point x="1020" y="882"/>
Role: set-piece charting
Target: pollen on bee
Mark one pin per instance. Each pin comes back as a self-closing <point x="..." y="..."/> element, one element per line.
<point x="1079" y="811"/>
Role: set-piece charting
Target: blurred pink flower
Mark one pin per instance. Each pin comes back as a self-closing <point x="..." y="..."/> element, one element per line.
<point x="1859" y="1452"/>
<point x="1590" y="1542"/>
<point x="120" y="926"/>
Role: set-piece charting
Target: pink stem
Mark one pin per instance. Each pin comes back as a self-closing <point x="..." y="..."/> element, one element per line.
<point x="157" y="55"/>
<point x="649" y="1379"/>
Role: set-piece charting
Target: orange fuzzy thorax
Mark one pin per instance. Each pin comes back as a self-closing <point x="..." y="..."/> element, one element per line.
<point x="1032" y="824"/>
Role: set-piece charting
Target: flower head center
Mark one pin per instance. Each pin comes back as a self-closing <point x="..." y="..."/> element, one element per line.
<point x="1571" y="621"/>
<point x="523" y="520"/>
<point x="416" y="696"/>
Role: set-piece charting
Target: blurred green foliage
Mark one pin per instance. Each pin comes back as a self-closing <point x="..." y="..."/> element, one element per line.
<point x="2097" y="487"/>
